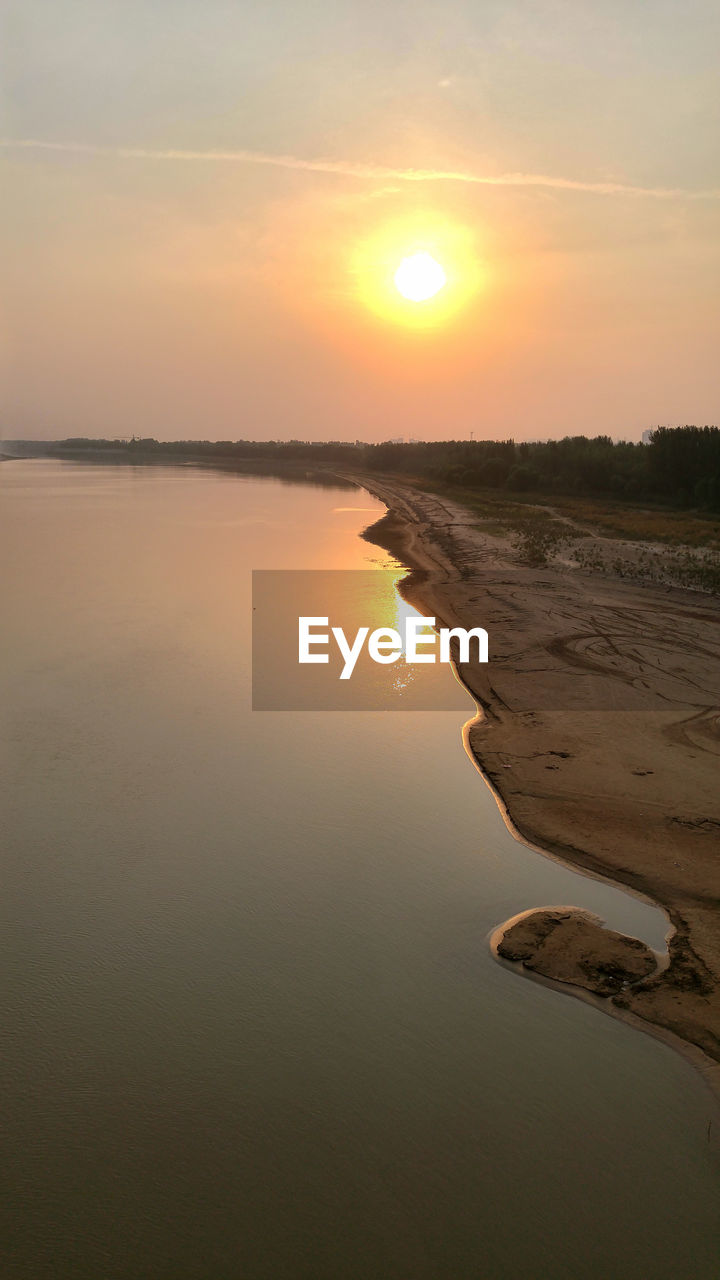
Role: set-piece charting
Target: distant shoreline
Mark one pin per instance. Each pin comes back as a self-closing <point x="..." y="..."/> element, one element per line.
<point x="633" y="800"/>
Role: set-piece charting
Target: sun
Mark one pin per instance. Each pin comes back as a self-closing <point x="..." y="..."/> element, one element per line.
<point x="419" y="277"/>
<point x="418" y="272"/>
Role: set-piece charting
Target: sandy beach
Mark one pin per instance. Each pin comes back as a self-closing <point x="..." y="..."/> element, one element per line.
<point x="600" y="735"/>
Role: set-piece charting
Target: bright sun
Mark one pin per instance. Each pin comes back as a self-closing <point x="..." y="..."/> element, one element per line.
<point x="419" y="272"/>
<point x="419" y="277"/>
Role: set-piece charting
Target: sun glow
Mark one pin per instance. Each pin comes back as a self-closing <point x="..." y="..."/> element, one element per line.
<point x="418" y="274"/>
<point x="419" y="277"/>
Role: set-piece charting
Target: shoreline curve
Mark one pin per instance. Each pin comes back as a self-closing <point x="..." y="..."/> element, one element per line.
<point x="418" y="530"/>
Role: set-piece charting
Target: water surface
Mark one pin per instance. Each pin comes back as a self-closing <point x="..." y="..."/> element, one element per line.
<point x="251" y="1025"/>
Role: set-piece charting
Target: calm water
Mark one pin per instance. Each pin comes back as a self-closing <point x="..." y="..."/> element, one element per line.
<point x="251" y="1026"/>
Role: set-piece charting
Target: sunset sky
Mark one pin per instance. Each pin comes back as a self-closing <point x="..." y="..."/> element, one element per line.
<point x="203" y="201"/>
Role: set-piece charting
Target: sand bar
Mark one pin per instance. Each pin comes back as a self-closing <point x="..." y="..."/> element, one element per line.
<point x="600" y="735"/>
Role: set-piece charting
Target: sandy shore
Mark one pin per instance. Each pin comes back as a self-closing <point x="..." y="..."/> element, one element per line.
<point x="600" y="734"/>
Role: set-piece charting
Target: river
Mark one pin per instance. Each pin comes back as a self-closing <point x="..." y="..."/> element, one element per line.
<point x="251" y="1023"/>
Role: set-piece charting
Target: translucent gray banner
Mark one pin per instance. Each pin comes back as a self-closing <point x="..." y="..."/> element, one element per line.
<point x="330" y="618"/>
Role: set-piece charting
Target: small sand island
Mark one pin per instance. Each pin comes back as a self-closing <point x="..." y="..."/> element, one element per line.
<point x="568" y="945"/>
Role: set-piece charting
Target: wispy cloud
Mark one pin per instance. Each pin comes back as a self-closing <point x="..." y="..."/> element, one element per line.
<point x="350" y="169"/>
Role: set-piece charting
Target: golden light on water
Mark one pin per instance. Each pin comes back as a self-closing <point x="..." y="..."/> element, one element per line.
<point x="419" y="273"/>
<point x="419" y="277"/>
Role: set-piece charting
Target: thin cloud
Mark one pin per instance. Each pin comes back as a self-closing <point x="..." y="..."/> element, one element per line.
<point x="349" y="169"/>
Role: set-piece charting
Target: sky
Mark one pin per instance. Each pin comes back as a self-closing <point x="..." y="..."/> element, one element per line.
<point x="205" y="201"/>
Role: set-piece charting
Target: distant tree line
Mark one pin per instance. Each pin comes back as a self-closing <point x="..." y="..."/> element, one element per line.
<point x="679" y="466"/>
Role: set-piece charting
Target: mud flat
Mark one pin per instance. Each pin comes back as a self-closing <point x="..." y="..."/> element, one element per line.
<point x="600" y="735"/>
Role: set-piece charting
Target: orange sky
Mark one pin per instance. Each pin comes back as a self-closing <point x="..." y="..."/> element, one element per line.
<point x="204" y="202"/>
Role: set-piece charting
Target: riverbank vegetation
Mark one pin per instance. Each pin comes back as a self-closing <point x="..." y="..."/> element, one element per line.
<point x="679" y="467"/>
